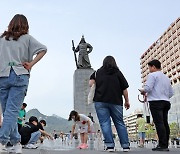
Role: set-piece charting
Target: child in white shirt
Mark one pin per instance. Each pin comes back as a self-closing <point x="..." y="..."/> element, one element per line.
<point x="85" y="125"/>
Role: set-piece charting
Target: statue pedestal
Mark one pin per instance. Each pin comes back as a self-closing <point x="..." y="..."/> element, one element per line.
<point x="81" y="91"/>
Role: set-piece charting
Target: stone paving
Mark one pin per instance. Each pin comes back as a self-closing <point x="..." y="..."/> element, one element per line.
<point x="76" y="151"/>
<point x="58" y="147"/>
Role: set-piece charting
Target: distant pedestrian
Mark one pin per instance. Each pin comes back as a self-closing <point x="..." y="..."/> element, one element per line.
<point x="55" y="134"/>
<point x="111" y="85"/>
<point x="61" y="136"/>
<point x="69" y="141"/>
<point x="99" y="135"/>
<point x="159" y="91"/>
<point x="91" y="117"/>
<point x="85" y="126"/>
<point x="140" y="125"/>
<point x="22" y="115"/>
<point x="17" y="50"/>
<point x="91" y="135"/>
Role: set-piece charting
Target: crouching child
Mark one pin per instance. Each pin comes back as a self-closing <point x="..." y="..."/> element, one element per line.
<point x="31" y="132"/>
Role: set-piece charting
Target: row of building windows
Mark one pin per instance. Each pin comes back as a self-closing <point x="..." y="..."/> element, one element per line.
<point x="167" y="50"/>
<point x="166" y="59"/>
<point x="171" y="49"/>
<point x="173" y="31"/>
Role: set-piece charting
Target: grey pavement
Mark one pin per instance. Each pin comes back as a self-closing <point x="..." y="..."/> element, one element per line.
<point x="77" y="151"/>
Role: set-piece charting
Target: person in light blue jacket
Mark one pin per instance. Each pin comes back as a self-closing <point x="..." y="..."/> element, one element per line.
<point x="159" y="91"/>
<point x="17" y="49"/>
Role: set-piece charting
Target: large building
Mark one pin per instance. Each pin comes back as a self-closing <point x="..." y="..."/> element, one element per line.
<point x="167" y="50"/>
<point x="130" y="122"/>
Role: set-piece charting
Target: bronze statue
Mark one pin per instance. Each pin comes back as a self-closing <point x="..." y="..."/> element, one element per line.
<point x="84" y="49"/>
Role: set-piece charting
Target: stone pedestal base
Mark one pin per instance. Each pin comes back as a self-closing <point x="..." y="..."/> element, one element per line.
<point x="81" y="91"/>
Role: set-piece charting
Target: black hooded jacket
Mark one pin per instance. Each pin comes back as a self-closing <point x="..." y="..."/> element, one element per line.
<point x="110" y="84"/>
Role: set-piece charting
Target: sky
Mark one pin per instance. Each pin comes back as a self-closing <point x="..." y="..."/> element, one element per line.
<point x="124" y="29"/>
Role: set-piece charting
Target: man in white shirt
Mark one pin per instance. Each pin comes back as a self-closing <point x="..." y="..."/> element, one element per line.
<point x="159" y="91"/>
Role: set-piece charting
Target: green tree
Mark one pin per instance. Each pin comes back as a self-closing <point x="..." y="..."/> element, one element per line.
<point x="150" y="131"/>
<point x="173" y="130"/>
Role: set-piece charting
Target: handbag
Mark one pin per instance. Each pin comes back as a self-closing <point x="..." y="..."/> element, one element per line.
<point x="145" y="108"/>
<point x="91" y="93"/>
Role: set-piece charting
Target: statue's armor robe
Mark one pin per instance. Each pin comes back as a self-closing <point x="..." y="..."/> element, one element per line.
<point x="83" y="60"/>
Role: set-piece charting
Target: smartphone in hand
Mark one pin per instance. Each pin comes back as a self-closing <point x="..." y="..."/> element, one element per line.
<point x="142" y="91"/>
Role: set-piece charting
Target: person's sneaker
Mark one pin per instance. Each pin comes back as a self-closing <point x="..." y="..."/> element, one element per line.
<point x="84" y="146"/>
<point x="80" y="146"/>
<point x="126" y="149"/>
<point x="141" y="146"/>
<point x="3" y="149"/>
<point x="10" y="149"/>
<point x="17" y="148"/>
<point x="110" y="149"/>
<point x="31" y="146"/>
<point x="158" y="148"/>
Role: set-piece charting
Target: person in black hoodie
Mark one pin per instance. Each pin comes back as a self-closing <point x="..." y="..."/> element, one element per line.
<point x="30" y="131"/>
<point x="111" y="85"/>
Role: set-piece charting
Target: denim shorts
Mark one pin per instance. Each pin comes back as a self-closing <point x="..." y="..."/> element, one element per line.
<point x="142" y="135"/>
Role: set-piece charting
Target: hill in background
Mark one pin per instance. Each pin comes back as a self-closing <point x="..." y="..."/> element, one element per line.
<point x="54" y="122"/>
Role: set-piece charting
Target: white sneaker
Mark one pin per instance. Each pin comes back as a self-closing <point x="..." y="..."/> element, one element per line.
<point x="10" y="149"/>
<point x="2" y="148"/>
<point x="31" y="146"/>
<point x="110" y="149"/>
<point x="17" y="148"/>
<point x="126" y="149"/>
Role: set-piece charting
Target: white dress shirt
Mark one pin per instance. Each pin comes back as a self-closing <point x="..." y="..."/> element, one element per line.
<point x="158" y="87"/>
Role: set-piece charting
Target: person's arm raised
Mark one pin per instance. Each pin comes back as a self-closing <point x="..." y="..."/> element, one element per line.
<point x="29" y="65"/>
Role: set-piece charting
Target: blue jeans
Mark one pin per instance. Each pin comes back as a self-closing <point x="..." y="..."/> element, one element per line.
<point x="34" y="137"/>
<point x="12" y="92"/>
<point x="104" y="112"/>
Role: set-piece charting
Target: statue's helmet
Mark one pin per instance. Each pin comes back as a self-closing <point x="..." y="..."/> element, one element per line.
<point x="82" y="40"/>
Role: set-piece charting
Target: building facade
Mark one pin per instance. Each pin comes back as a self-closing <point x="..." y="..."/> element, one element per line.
<point x="130" y="122"/>
<point x="167" y="50"/>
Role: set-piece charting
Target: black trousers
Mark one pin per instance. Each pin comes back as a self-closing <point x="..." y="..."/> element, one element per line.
<point x="19" y="127"/>
<point x="159" y="110"/>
